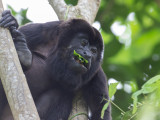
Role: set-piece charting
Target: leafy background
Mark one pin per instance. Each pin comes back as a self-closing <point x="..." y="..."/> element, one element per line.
<point x="132" y="55"/>
<point x="135" y="63"/>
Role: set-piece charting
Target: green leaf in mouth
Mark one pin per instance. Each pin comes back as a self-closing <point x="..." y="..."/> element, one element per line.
<point x="82" y="59"/>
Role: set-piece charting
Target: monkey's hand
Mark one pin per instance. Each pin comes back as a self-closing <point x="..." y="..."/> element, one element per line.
<point x="24" y="54"/>
<point x="8" y="21"/>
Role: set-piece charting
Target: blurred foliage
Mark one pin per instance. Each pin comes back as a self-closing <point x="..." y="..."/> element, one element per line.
<point x="71" y="2"/>
<point x="148" y="107"/>
<point x="112" y="90"/>
<point x="151" y="86"/>
<point x="21" y="16"/>
<point x="132" y="55"/>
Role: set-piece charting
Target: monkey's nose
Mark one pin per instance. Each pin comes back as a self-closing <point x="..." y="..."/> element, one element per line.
<point x="87" y="55"/>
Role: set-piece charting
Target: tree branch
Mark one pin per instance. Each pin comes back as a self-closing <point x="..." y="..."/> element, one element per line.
<point x="88" y="9"/>
<point x="59" y="7"/>
<point x="85" y="9"/>
<point x="13" y="79"/>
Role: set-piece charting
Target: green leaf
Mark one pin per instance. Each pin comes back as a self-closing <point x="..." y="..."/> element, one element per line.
<point x="151" y="85"/>
<point x="104" y="108"/>
<point x="82" y="59"/>
<point x="127" y="115"/>
<point x="112" y="89"/>
<point x="148" y="87"/>
<point x="71" y="2"/>
<point x="135" y="100"/>
<point x="14" y="13"/>
<point x="151" y="81"/>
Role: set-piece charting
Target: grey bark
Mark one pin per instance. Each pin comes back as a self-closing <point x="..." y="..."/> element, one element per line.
<point x="85" y="9"/>
<point x="13" y="79"/>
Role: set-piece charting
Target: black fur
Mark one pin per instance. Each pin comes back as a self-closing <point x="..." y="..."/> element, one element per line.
<point x="52" y="78"/>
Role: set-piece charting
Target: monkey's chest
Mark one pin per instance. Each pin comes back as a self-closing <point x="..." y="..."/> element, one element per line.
<point x="37" y="77"/>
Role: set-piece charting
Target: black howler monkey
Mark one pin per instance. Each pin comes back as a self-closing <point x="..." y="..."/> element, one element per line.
<point x="59" y="59"/>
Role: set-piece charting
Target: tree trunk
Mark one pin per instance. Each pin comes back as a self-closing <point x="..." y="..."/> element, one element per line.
<point x="80" y="109"/>
<point x="13" y="79"/>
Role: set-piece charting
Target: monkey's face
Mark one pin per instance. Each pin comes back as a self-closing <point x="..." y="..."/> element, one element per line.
<point x="81" y="53"/>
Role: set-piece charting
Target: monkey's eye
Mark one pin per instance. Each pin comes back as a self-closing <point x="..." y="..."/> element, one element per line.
<point x="84" y="42"/>
<point x="94" y="50"/>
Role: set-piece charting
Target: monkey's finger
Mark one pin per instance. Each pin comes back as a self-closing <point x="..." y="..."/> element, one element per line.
<point x="4" y="18"/>
<point x="6" y="12"/>
<point x="9" y="24"/>
<point x="6" y="21"/>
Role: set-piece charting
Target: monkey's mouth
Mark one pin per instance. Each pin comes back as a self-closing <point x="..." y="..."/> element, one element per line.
<point x="81" y="60"/>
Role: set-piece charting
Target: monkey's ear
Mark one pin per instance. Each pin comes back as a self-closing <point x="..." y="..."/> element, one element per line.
<point x="99" y="42"/>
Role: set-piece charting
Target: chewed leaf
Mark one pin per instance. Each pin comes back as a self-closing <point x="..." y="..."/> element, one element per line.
<point x="112" y="89"/>
<point x="104" y="108"/>
<point x="75" y="53"/>
<point x="82" y="59"/>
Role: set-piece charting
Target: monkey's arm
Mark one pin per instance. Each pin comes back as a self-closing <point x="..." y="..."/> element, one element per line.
<point x="96" y="96"/>
<point x="24" y="54"/>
